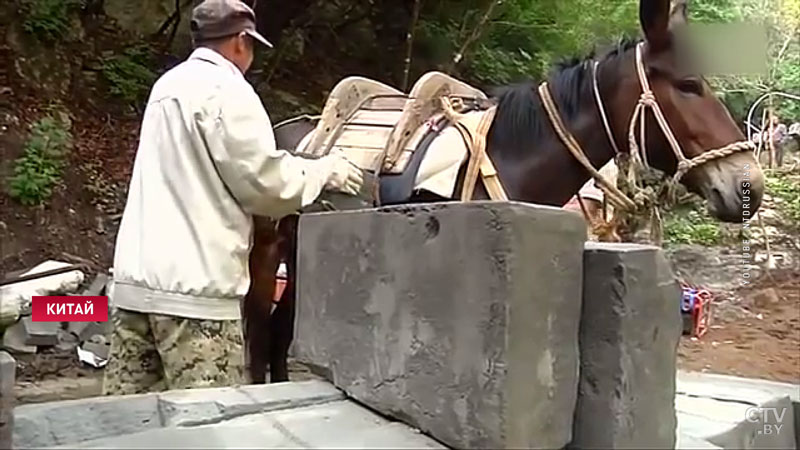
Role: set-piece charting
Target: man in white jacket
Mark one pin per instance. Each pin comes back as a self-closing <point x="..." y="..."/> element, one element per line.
<point x="206" y="164"/>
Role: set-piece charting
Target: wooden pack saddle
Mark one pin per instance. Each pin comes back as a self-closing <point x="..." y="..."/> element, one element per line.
<point x="379" y="127"/>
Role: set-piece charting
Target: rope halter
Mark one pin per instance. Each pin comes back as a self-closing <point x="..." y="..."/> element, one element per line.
<point x="648" y="100"/>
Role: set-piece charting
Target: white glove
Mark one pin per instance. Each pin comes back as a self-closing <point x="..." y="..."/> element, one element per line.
<point x="345" y="176"/>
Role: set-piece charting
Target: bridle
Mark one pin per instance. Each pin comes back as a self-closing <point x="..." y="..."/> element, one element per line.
<point x="639" y="153"/>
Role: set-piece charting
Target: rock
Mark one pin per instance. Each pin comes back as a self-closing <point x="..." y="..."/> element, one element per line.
<point x="9" y="314"/>
<point x="8" y="369"/>
<point x="41" y="334"/>
<point x="14" y="339"/>
<point x="98" y="286"/>
<point x="630" y="330"/>
<point x="85" y="330"/>
<point x="146" y="16"/>
<point x="66" y="341"/>
<point x="764" y="298"/>
<point x="100" y="349"/>
<point x="460" y="318"/>
<point x="22" y="292"/>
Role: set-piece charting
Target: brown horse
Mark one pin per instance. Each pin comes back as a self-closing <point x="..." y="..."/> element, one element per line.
<point x="534" y="164"/>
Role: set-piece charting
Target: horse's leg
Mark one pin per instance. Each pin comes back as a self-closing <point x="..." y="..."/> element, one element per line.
<point x="282" y="330"/>
<point x="264" y="260"/>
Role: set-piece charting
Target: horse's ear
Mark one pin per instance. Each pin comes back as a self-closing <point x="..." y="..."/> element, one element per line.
<point x="679" y="15"/>
<point x="654" y="16"/>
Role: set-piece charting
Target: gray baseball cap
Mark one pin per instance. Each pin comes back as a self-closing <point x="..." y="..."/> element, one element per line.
<point x="214" y="19"/>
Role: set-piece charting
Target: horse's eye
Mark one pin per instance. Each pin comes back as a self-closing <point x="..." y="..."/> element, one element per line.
<point x="691" y="86"/>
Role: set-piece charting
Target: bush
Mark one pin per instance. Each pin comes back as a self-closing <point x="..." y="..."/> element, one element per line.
<point x="48" y="19"/>
<point x="786" y="188"/>
<point x="129" y="74"/>
<point x="39" y="168"/>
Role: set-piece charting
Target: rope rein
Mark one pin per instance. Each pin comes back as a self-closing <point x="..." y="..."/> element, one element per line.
<point x="637" y="152"/>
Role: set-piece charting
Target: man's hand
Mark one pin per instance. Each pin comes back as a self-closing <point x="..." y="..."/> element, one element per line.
<point x="345" y="176"/>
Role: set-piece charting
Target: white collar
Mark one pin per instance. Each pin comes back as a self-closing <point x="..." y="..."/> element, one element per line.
<point x="214" y="57"/>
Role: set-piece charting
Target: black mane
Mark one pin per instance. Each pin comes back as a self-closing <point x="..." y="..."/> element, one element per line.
<point x="520" y="115"/>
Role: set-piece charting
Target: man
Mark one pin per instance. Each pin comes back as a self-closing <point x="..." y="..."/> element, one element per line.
<point x="206" y="163"/>
<point x="592" y="195"/>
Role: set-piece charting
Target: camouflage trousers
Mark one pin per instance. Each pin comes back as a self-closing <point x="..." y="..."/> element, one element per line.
<point x="152" y="352"/>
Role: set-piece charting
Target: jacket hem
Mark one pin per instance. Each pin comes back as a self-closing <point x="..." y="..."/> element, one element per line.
<point x="140" y="299"/>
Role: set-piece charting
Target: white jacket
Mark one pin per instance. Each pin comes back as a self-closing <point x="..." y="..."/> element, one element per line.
<point x="206" y="163"/>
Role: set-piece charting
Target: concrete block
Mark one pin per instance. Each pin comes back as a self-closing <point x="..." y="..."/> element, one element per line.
<point x="8" y="369"/>
<point x="41" y="334"/>
<point x="459" y="319"/>
<point x="630" y="329"/>
<point x="14" y="340"/>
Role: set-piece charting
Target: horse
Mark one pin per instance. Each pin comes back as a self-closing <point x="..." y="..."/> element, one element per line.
<point x="597" y="98"/>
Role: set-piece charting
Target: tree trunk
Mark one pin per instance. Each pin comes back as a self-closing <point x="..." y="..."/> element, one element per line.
<point x="412" y="29"/>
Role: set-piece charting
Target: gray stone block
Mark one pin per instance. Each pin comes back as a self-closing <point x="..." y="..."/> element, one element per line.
<point x="630" y="329"/>
<point x="14" y="339"/>
<point x="40" y="333"/>
<point x="8" y="369"/>
<point x="459" y="319"/>
<point x="73" y="421"/>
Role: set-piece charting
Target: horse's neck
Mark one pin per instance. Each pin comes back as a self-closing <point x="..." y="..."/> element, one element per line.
<point x="547" y="173"/>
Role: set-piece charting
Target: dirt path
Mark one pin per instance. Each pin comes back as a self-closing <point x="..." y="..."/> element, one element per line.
<point x="765" y="345"/>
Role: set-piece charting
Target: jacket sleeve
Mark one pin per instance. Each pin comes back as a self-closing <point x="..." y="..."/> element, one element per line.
<point x="264" y="180"/>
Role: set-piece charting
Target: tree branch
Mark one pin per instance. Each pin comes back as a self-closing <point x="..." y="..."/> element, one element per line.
<point x="474" y="36"/>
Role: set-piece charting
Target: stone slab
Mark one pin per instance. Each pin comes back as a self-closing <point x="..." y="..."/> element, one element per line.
<point x="460" y="319"/>
<point x="73" y="421"/>
<point x="40" y="333"/>
<point x="203" y="406"/>
<point x="339" y="424"/>
<point x="69" y="423"/>
<point x="14" y="340"/>
<point x="731" y="412"/>
<point x="630" y="330"/>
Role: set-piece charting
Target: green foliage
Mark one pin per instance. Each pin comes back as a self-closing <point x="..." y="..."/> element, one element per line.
<point x="690" y="224"/>
<point x="786" y="188"/>
<point x="39" y="168"/>
<point x="48" y="19"/>
<point x="129" y="74"/>
<point x="522" y="38"/>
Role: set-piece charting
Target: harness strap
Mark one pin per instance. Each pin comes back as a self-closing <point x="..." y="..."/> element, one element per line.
<point x="616" y="197"/>
<point x="479" y="162"/>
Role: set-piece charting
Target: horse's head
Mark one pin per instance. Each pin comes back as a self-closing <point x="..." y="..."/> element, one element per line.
<point x="699" y="122"/>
